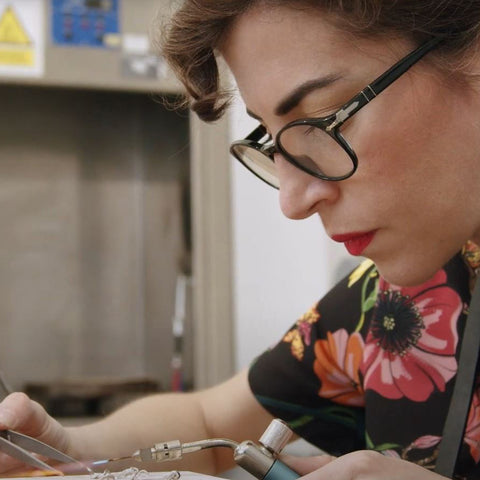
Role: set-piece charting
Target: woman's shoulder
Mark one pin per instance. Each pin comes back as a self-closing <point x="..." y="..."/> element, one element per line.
<point x="353" y="296"/>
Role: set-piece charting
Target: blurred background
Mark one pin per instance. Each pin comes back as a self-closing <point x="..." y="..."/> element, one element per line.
<point x="135" y="256"/>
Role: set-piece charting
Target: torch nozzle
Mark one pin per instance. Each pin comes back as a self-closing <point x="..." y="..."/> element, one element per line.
<point x="174" y="450"/>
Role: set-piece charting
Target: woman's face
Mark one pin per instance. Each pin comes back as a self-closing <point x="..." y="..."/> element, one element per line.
<point x="415" y="197"/>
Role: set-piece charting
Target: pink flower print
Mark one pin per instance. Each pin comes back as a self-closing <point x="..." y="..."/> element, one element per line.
<point x="427" y="457"/>
<point x="411" y="344"/>
<point x="390" y="453"/>
<point x="427" y="441"/>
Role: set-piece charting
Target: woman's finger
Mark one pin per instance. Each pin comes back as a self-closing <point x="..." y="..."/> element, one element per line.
<point x="371" y="465"/>
<point x="304" y="465"/>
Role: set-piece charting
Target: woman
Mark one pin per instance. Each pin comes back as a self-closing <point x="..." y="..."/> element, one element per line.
<point x="393" y="172"/>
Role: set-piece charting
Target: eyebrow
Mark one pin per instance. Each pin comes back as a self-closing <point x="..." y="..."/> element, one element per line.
<point x="298" y="94"/>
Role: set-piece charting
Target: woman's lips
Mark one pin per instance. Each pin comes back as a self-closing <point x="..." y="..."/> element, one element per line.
<point x="355" y="242"/>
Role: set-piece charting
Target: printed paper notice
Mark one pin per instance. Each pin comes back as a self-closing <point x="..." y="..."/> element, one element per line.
<point x="21" y="38"/>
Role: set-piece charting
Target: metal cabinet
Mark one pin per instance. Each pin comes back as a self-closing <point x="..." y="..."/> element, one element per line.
<point x="94" y="176"/>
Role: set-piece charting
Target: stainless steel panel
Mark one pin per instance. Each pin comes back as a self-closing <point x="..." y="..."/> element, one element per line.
<point x="91" y="216"/>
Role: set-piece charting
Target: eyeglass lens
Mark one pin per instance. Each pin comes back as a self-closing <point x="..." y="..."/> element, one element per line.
<point x="315" y="151"/>
<point x="257" y="162"/>
<point x="309" y="147"/>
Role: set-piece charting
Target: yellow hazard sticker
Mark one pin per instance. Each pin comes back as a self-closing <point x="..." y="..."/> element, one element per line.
<point x="16" y="46"/>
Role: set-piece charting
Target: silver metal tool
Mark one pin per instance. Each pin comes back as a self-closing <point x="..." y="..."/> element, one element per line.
<point x="259" y="460"/>
<point x="22" y="447"/>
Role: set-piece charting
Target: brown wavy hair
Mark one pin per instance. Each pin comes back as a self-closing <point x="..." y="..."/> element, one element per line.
<point x="190" y="39"/>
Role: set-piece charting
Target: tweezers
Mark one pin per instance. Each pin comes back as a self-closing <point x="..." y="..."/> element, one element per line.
<point x="22" y="447"/>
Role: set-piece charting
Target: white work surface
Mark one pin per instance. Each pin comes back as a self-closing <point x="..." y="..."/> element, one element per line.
<point x="123" y="475"/>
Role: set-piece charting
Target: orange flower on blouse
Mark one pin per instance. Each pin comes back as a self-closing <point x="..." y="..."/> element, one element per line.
<point x="337" y="365"/>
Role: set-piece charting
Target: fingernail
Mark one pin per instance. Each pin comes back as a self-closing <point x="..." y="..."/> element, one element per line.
<point x="6" y="418"/>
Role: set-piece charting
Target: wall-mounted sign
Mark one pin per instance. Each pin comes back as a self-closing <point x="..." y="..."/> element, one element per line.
<point x="21" y="38"/>
<point x="138" y="60"/>
<point x="85" y="23"/>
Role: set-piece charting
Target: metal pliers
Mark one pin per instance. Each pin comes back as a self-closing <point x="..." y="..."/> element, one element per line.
<point x="22" y="447"/>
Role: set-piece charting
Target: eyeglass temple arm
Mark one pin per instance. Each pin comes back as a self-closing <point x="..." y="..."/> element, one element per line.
<point x="382" y="82"/>
<point x="257" y="134"/>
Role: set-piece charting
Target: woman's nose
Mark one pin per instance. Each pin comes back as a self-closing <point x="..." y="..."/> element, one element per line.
<point x="301" y="194"/>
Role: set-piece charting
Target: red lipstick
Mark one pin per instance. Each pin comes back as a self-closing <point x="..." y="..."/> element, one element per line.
<point x="355" y="242"/>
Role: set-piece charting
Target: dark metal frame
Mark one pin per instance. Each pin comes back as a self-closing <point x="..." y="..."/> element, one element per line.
<point x="260" y="140"/>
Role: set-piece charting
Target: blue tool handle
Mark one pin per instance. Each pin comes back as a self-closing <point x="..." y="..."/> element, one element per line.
<point x="279" y="471"/>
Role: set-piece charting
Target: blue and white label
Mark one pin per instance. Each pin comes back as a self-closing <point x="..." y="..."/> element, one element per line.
<point x="86" y="23"/>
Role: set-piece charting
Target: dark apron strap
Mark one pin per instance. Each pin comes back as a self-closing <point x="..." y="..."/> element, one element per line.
<point x="456" y="421"/>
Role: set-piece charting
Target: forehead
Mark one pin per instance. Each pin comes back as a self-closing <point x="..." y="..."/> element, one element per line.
<point x="271" y="51"/>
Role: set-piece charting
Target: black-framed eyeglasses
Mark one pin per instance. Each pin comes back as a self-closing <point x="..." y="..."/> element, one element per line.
<point x="316" y="145"/>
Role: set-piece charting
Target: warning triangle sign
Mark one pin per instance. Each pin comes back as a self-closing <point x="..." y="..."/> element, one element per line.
<point x="11" y="29"/>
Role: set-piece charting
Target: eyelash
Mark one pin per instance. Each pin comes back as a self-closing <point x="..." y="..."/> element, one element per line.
<point x="324" y="112"/>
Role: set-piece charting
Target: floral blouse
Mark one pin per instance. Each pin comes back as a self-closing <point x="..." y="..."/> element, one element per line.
<point x="372" y="365"/>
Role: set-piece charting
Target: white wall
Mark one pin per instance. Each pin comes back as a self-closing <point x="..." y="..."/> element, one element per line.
<point x="281" y="267"/>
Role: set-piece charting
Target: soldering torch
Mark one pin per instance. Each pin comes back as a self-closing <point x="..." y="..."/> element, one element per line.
<point x="259" y="460"/>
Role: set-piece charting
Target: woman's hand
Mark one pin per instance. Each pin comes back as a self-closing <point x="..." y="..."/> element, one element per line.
<point x="364" y="464"/>
<point x="18" y="412"/>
